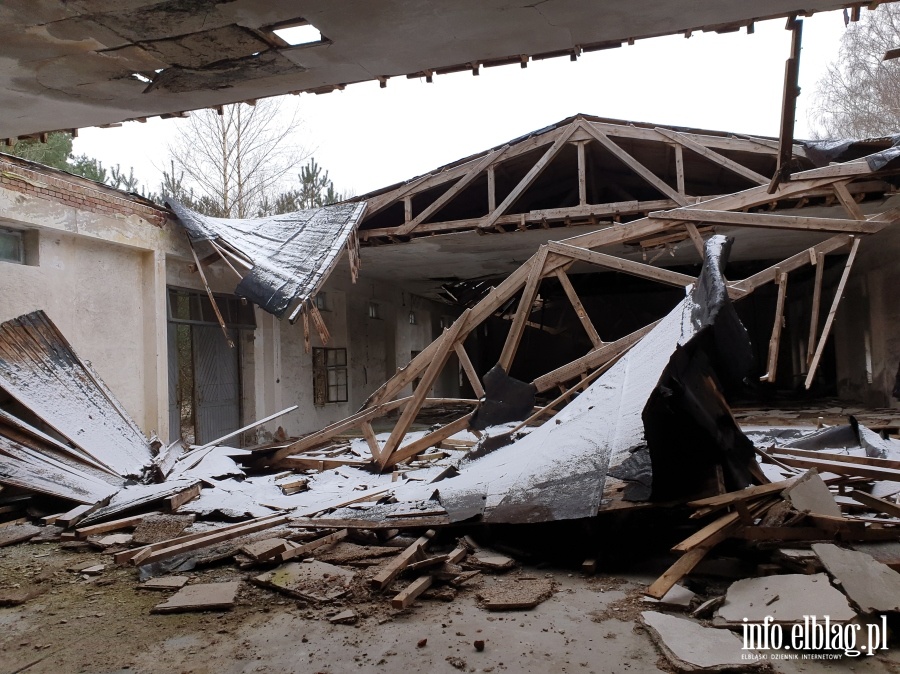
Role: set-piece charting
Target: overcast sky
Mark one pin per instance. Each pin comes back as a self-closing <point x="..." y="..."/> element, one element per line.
<point x="368" y="137"/>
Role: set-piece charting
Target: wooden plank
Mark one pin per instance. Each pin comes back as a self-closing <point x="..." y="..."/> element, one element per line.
<point x="820" y="347"/>
<point x="767" y="220"/>
<point x="696" y="238"/>
<point x="209" y="293"/>
<point x="114" y="525"/>
<point x="579" y="308"/>
<point x="623" y="265"/>
<point x="423" y="443"/>
<point x="679" y="168"/>
<point x="582" y="174"/>
<point x="548" y="408"/>
<point x="369" y="434"/>
<point x="127" y="555"/>
<point x="847" y="201"/>
<point x="677" y="571"/>
<point x="313" y="463"/>
<point x="790" y="264"/>
<point x="492" y="189"/>
<point x="591" y="360"/>
<point x="845" y="458"/>
<point x="713" y="156"/>
<point x="712" y="533"/>
<point x="841" y="467"/>
<point x="219" y="441"/>
<point x="413" y="590"/>
<point x="306" y="548"/>
<point x="173" y="503"/>
<point x="514" y="336"/>
<point x="816" y="304"/>
<point x="177" y="548"/>
<point x="469" y="369"/>
<point x="777" y="326"/>
<point x="75" y="515"/>
<point x="536" y="170"/>
<point x="876" y="503"/>
<point x="747" y="494"/>
<point x="660" y="185"/>
<point x="446" y="197"/>
<point x="394" y="568"/>
<point x="450" y="337"/>
<point x="329" y="432"/>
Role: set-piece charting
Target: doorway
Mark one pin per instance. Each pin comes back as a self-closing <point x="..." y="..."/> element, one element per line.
<point x="204" y="369"/>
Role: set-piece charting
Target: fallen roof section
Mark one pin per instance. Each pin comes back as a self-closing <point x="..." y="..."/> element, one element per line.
<point x="286" y="258"/>
<point x="40" y="371"/>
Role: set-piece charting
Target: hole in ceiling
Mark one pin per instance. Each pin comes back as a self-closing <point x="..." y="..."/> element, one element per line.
<point x="299" y="33"/>
<point x="142" y="78"/>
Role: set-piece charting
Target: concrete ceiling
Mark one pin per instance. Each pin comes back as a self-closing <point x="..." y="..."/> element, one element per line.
<point x="67" y="64"/>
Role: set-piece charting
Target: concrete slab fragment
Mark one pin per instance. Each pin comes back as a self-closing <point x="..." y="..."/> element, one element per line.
<point x="812" y="494"/>
<point x="871" y="585"/>
<point x="312" y="580"/>
<point x="517" y="593"/>
<point x="690" y="647"/>
<point x="202" y="597"/>
<point x="786" y="598"/>
<point x="165" y="583"/>
<point x="18" y="534"/>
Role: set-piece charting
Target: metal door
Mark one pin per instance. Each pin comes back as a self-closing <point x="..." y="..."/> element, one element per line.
<point x="217" y="385"/>
<point x="174" y="407"/>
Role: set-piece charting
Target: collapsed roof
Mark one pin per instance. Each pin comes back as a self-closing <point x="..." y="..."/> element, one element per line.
<point x="286" y="258"/>
<point x="77" y="63"/>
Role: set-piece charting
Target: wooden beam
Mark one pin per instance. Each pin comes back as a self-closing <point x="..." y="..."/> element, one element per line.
<point x="492" y="188"/>
<point x="582" y="174"/>
<point x="623" y="265"/>
<point x="413" y="590"/>
<point x="450" y="337"/>
<point x="446" y="197"/>
<point x="788" y="105"/>
<point x="660" y="185"/>
<point x="879" y="504"/>
<point x="529" y="178"/>
<point x="797" y="261"/>
<point x="814" y="365"/>
<point x="535" y="274"/>
<point x="395" y="567"/>
<point x="847" y="201"/>
<point x="579" y="308"/>
<point x="591" y="360"/>
<point x="713" y="156"/>
<point x="679" y="168"/>
<point x="306" y="548"/>
<point x="317" y="438"/>
<point x="469" y="369"/>
<point x="209" y="294"/>
<point x="430" y="440"/>
<point x="816" y="304"/>
<point x="766" y="220"/>
<point x="775" y="339"/>
<point x="369" y="434"/>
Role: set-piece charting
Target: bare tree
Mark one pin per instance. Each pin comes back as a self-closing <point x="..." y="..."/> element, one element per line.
<point x="859" y="97"/>
<point x="236" y="160"/>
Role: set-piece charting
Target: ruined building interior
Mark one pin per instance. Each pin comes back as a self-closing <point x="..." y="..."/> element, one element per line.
<point x="595" y="397"/>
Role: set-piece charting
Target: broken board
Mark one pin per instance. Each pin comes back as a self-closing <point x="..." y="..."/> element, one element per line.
<point x="311" y="580"/>
<point x="201" y="597"/>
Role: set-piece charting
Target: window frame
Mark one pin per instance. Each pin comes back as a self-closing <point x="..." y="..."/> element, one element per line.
<point x="330" y="376"/>
<point x="19" y="237"/>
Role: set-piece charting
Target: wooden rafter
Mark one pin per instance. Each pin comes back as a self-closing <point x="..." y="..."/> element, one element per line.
<point x="723" y="161"/>
<point x="579" y="308"/>
<point x="466" y="364"/>
<point x="621" y="264"/>
<point x="488" y="160"/>
<point x="777" y="326"/>
<point x="767" y="220"/>
<point x="820" y="347"/>
<point x="529" y="177"/>
<point x="535" y="274"/>
<point x="818" y="259"/>
<point x="658" y="183"/>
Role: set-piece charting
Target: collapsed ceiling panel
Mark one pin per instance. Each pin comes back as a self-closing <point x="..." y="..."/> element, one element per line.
<point x="288" y="256"/>
<point x="246" y="60"/>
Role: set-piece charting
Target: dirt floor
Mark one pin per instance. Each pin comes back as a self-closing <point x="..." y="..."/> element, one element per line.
<point x="78" y="623"/>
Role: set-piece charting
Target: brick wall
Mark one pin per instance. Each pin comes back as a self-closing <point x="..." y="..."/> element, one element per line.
<point x="47" y="183"/>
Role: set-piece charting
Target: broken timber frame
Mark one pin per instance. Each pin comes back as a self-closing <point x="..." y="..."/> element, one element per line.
<point x="552" y="260"/>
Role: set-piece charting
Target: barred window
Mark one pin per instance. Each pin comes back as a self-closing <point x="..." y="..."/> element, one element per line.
<point x="329" y="376"/>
